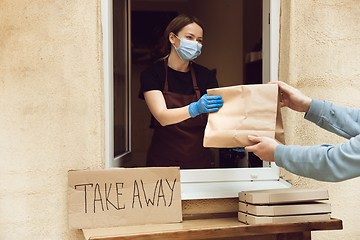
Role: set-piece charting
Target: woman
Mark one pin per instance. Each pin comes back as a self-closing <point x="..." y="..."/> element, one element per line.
<point x="175" y="92"/>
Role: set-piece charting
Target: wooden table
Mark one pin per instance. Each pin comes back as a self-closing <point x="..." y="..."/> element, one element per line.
<point x="220" y="228"/>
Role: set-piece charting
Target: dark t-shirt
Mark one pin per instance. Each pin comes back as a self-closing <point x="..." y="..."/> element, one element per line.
<point x="153" y="78"/>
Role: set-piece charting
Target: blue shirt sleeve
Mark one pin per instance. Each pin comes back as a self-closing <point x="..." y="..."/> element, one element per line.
<point x="340" y="120"/>
<point x="332" y="163"/>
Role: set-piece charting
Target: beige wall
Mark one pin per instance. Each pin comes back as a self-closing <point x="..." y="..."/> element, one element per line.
<point x="320" y="55"/>
<point x="51" y="105"/>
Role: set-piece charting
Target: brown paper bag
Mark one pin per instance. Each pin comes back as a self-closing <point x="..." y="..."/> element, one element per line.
<point x="247" y="110"/>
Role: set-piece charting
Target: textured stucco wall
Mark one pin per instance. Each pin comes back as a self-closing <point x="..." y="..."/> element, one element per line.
<point x="51" y="111"/>
<point x="320" y="55"/>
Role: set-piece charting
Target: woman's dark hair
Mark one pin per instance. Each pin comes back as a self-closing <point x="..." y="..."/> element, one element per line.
<point x="176" y="25"/>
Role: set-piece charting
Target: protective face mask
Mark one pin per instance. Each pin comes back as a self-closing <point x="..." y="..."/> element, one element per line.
<point x="188" y="50"/>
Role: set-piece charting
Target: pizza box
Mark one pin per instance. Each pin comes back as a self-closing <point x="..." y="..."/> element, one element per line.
<point x="252" y="219"/>
<point x="285" y="209"/>
<point x="283" y="195"/>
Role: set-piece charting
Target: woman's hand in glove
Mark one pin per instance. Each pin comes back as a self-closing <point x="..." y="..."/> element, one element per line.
<point x="206" y="104"/>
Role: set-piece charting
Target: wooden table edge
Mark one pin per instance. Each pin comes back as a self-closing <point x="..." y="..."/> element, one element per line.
<point x="230" y="231"/>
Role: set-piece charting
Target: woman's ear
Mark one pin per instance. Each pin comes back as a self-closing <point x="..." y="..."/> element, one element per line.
<point x="172" y="38"/>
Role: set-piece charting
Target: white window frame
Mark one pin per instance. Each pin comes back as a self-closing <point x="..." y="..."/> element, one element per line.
<point x="206" y="183"/>
<point x="108" y="63"/>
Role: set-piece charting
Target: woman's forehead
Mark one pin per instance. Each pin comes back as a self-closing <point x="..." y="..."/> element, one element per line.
<point x="193" y="29"/>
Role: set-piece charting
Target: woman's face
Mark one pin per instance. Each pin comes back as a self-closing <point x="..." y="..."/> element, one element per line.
<point x="191" y="32"/>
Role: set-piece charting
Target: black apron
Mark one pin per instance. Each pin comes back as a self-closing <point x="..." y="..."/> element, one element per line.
<point x="180" y="144"/>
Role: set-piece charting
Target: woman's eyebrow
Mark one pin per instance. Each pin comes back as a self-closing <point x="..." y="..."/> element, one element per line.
<point x="192" y="35"/>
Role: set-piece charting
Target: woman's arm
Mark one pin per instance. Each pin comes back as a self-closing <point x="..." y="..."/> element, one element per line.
<point x="157" y="106"/>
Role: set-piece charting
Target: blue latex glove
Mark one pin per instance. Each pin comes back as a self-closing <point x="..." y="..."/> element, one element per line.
<point x="239" y="149"/>
<point x="205" y="104"/>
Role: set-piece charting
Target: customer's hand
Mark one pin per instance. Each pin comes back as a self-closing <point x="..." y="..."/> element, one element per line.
<point x="264" y="148"/>
<point x="293" y="98"/>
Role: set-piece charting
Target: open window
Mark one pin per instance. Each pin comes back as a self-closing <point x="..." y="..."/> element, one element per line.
<point x="120" y="79"/>
<point x="117" y="85"/>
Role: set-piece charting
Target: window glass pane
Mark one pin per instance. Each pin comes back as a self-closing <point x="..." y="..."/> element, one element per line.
<point x="121" y="93"/>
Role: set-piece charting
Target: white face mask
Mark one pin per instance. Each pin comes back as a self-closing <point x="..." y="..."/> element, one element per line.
<point x="188" y="50"/>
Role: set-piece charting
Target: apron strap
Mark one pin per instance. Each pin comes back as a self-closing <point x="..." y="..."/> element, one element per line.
<point x="193" y="77"/>
<point x="196" y="88"/>
<point x="166" y="86"/>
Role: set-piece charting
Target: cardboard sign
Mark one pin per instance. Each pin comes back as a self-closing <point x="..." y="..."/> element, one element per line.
<point x="247" y="110"/>
<point x="124" y="196"/>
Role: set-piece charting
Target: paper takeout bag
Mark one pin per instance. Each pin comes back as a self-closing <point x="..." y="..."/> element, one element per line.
<point x="247" y="110"/>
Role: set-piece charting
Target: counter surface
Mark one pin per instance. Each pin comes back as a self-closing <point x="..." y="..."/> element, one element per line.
<point x="219" y="228"/>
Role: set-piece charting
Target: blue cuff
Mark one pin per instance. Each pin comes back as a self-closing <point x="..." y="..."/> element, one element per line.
<point x="279" y="150"/>
<point x="241" y="149"/>
<point x="193" y="110"/>
<point x="315" y="109"/>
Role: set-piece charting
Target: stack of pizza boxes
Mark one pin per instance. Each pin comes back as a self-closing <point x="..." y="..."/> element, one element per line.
<point x="283" y="206"/>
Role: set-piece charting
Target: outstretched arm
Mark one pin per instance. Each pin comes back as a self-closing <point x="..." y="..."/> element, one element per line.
<point x="157" y="106"/>
<point x="340" y="120"/>
<point x="322" y="162"/>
